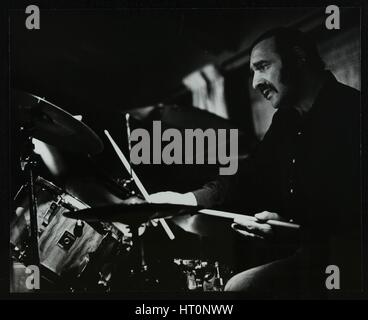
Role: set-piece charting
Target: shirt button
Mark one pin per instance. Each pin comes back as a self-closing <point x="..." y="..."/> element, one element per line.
<point x="293" y="161"/>
<point x="299" y="133"/>
<point x="291" y="190"/>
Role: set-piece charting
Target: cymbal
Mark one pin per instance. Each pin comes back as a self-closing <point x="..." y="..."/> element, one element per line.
<point x="130" y="213"/>
<point x="55" y="126"/>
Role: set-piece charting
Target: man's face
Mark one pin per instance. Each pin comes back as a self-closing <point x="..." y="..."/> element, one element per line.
<point x="269" y="74"/>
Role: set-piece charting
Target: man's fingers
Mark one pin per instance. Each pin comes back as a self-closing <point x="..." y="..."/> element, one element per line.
<point x="259" y="227"/>
<point x="267" y="215"/>
<point x="255" y="227"/>
<point x="243" y="232"/>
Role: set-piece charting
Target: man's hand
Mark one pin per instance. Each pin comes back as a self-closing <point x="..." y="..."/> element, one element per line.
<point x="259" y="228"/>
<point x="174" y="198"/>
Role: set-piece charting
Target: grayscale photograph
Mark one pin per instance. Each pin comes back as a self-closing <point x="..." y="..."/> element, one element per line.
<point x="189" y="151"/>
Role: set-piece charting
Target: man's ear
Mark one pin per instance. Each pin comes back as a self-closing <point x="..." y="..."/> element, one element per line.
<point x="301" y="56"/>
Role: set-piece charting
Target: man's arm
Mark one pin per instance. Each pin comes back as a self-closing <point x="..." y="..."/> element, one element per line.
<point x="174" y="197"/>
<point x="222" y="190"/>
<point x="210" y="195"/>
<point x="240" y="190"/>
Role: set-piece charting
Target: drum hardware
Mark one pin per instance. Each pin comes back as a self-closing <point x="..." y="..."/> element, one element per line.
<point x="22" y="187"/>
<point x="28" y="163"/>
<point x="50" y="213"/>
<point x="99" y="266"/>
<point x="139" y="268"/>
<point x="94" y="237"/>
<point x="126" y="185"/>
<point x="134" y="215"/>
<point x="17" y="254"/>
<point x="45" y="121"/>
<point x="137" y="181"/>
<point x="78" y="228"/>
<point x="66" y="240"/>
<point x="219" y="281"/>
<point x="203" y="275"/>
<point x="127" y="117"/>
<point x="96" y="271"/>
<point x="55" y="126"/>
<point x="67" y="247"/>
<point x="104" y="281"/>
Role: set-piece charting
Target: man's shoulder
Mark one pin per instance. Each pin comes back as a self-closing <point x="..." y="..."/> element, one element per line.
<point x="341" y="93"/>
<point x="340" y="99"/>
<point x="343" y="107"/>
<point x="343" y="90"/>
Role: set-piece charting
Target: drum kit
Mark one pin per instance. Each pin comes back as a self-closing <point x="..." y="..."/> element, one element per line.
<point x="78" y="247"/>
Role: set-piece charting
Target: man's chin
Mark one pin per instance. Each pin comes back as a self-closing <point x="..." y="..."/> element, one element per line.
<point x="274" y="104"/>
<point x="280" y="103"/>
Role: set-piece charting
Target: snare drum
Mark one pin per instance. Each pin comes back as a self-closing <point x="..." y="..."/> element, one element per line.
<point x="64" y="244"/>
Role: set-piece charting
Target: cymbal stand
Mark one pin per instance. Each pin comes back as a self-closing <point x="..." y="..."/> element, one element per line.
<point x="138" y="262"/>
<point x="28" y="163"/>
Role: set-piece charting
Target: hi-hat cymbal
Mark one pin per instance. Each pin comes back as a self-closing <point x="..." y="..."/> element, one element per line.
<point x="53" y="125"/>
<point x="131" y="213"/>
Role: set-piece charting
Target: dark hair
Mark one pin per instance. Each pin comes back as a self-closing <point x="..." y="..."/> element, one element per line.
<point x="287" y="39"/>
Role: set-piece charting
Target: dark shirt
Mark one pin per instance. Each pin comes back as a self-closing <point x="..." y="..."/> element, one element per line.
<point x="307" y="168"/>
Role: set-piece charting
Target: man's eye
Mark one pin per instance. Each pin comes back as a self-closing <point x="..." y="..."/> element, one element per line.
<point x="263" y="67"/>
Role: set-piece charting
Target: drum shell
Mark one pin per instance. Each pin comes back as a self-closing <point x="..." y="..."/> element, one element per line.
<point x="61" y="250"/>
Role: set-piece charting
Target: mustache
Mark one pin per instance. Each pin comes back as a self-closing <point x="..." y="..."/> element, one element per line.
<point x="264" y="86"/>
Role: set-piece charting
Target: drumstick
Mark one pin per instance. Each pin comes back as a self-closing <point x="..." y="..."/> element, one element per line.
<point x="230" y="215"/>
<point x="138" y="182"/>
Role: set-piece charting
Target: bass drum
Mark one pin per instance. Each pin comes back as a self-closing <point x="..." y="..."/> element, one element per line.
<point x="66" y="246"/>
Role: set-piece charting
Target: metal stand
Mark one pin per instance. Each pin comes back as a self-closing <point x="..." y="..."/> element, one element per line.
<point x="140" y="271"/>
<point x="137" y="252"/>
<point x="28" y="163"/>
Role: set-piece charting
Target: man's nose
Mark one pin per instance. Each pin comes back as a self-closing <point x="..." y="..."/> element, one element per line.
<point x="257" y="80"/>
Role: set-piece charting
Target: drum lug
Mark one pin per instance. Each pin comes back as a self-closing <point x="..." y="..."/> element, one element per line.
<point x="78" y="228"/>
<point x="50" y="213"/>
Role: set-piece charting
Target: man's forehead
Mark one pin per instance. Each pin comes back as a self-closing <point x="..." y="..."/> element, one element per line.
<point x="263" y="50"/>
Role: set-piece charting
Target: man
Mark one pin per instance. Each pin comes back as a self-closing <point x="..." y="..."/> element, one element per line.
<point x="306" y="169"/>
